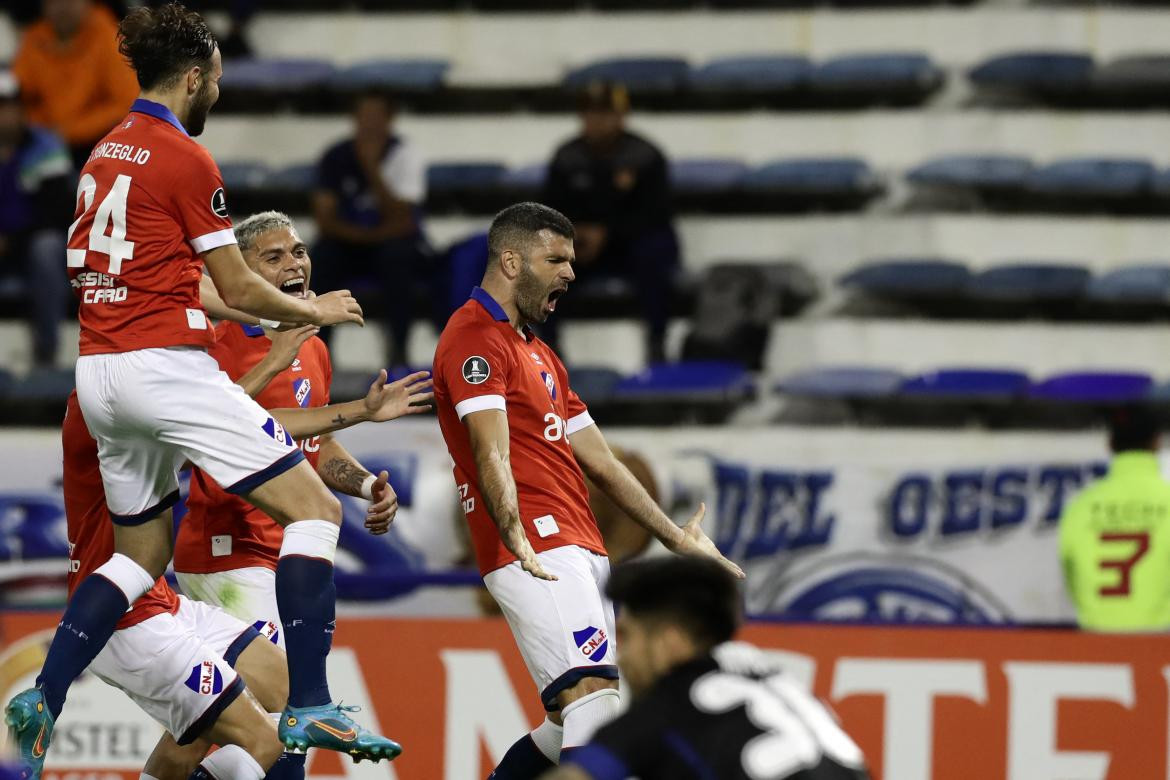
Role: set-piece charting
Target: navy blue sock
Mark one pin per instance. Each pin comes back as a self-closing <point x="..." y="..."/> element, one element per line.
<point x="306" y="597"/>
<point x="88" y="623"/>
<point x="290" y="766"/>
<point x="523" y="761"/>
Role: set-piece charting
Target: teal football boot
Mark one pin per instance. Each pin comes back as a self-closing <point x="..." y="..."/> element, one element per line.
<point x="31" y="727"/>
<point x="328" y="726"/>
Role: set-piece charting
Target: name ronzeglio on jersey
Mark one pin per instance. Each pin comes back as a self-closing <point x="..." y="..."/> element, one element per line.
<point x="150" y="200"/>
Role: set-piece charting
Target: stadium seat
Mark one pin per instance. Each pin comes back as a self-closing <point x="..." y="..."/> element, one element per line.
<point x="1093" y="387"/>
<point x="835" y="182"/>
<point x="1094" y="178"/>
<point x="752" y="74"/>
<point x="467" y="186"/>
<point x="645" y="74"/>
<point x="1030" y="282"/>
<point x="1134" y="80"/>
<point x="283" y="75"/>
<point x="706" y="175"/>
<point x="842" y="383"/>
<point x="244" y="175"/>
<point x="908" y="279"/>
<point x="300" y="177"/>
<point x="968" y="384"/>
<point x="894" y="77"/>
<point x="686" y="381"/>
<point x="1144" y="284"/>
<point x="529" y="176"/>
<point x="975" y="172"/>
<point x="1038" y="73"/>
<point x="594" y="384"/>
<point x="423" y="75"/>
<point x="42" y="384"/>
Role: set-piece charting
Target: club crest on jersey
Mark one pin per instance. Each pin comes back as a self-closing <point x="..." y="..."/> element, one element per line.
<point x="277" y="431"/>
<point x="536" y="357"/>
<point x="219" y="204"/>
<point x="549" y="384"/>
<point x="268" y="630"/>
<point x="476" y="370"/>
<point x="206" y="679"/>
<point x="303" y="390"/>
<point x="592" y="642"/>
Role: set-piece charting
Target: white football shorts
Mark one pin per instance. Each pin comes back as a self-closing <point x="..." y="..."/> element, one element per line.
<point x="152" y="409"/>
<point x="248" y="594"/>
<point x="178" y="668"/>
<point x="564" y="629"/>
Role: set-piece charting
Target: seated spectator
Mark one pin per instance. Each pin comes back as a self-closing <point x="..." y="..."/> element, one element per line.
<point x="35" y="208"/>
<point x="72" y="77"/>
<point x="615" y="187"/>
<point x="368" y="207"/>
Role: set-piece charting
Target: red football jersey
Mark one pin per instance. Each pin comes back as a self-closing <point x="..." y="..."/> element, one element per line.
<point x="149" y="202"/>
<point x="88" y="523"/>
<point x="222" y="531"/>
<point x="483" y="363"/>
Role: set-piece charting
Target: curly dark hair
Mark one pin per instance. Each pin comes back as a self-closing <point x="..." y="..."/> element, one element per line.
<point x="162" y="44"/>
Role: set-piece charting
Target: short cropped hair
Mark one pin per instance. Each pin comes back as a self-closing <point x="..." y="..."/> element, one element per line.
<point x="695" y="594"/>
<point x="1133" y="427"/>
<point x="257" y="225"/>
<point x="162" y="44"/>
<point x="516" y="227"/>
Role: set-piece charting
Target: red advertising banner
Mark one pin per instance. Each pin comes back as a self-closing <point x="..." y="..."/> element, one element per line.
<point x="923" y="703"/>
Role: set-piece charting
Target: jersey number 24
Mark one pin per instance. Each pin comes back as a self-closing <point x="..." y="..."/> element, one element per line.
<point x="111" y="211"/>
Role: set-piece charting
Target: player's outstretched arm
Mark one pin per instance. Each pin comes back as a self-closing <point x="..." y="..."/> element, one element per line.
<point x="209" y="297"/>
<point x="243" y="289"/>
<point x="611" y="475"/>
<point x="341" y="471"/>
<point x="488" y="432"/>
<point x="409" y="395"/>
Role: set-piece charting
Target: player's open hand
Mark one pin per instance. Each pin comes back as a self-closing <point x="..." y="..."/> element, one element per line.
<point x="695" y="542"/>
<point x="518" y="544"/>
<point x="336" y="307"/>
<point x="287" y="343"/>
<point x="409" y="395"/>
<point x="383" y="507"/>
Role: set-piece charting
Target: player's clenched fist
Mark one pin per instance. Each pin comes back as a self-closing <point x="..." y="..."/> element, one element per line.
<point x="336" y="307"/>
<point x="383" y="507"/>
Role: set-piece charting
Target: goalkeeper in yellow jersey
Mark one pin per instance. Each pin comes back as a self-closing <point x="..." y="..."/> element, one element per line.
<point x="1115" y="536"/>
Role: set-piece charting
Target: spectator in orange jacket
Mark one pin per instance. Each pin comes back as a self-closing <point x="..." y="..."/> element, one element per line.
<point x="72" y="77"/>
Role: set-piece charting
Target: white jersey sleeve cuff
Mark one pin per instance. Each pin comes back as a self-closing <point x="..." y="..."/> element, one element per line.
<point x="578" y="423"/>
<point x="479" y="404"/>
<point x="209" y="241"/>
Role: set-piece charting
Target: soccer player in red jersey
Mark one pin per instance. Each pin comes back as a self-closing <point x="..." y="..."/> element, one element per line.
<point x="227" y="550"/>
<point x="521" y="440"/>
<point x="151" y="213"/>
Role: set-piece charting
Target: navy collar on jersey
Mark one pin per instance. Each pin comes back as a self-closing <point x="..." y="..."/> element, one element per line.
<point x="484" y="299"/>
<point x="158" y="111"/>
<point x="252" y="330"/>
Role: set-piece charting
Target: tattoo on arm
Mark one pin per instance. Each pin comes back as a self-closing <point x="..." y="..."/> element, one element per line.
<point x="339" y="420"/>
<point x="344" y="475"/>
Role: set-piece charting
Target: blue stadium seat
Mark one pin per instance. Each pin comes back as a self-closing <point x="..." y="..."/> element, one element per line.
<point x="842" y="382"/>
<point x="878" y="74"/>
<point x="594" y="384"/>
<point x="638" y="74"/>
<point x="975" y="172"/>
<point x="686" y="380"/>
<point x="243" y="175"/>
<point x="969" y="384"/>
<point x="1094" y="177"/>
<point x="1136" y="73"/>
<point x="299" y="177"/>
<point x="814" y="175"/>
<point x="529" y="176"/>
<point x="277" y="74"/>
<point x="1094" y="387"/>
<point x="706" y="175"/>
<point x="42" y="384"/>
<point x="5" y="382"/>
<point x="465" y="175"/>
<point x="421" y="75"/>
<point x="752" y="74"/>
<point x="1142" y="284"/>
<point x="1030" y="282"/>
<point x="910" y="278"/>
<point x="1035" y="71"/>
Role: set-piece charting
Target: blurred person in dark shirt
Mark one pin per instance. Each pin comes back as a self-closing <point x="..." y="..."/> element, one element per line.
<point x="615" y="187"/>
<point x="368" y="207"/>
<point x="35" y="204"/>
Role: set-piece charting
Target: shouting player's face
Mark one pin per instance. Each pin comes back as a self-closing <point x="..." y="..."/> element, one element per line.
<point x="544" y="276"/>
<point x="283" y="260"/>
<point x="205" y="97"/>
